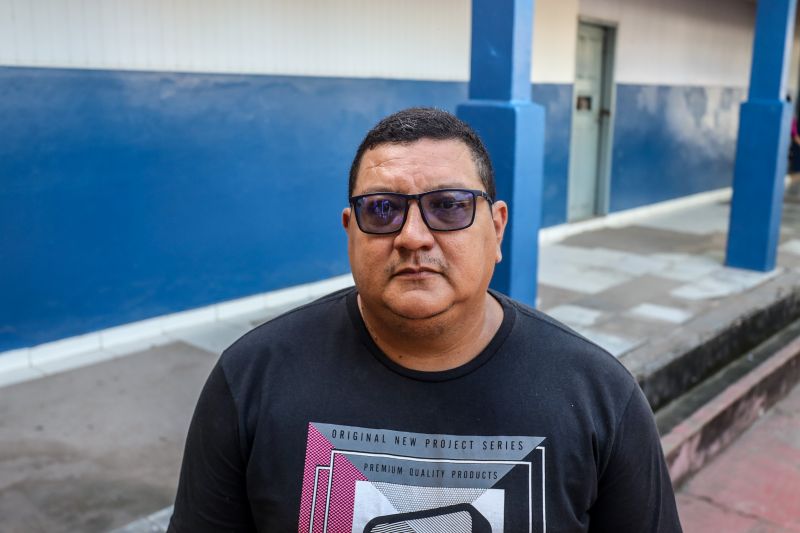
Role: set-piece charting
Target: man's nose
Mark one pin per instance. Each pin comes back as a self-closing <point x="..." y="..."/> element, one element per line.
<point x="415" y="233"/>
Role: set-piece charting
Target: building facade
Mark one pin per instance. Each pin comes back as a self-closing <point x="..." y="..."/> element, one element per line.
<point x="164" y="156"/>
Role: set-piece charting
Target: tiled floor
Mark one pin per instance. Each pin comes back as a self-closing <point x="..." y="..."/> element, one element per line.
<point x="661" y="313"/>
<point x="620" y="286"/>
<point x="704" y="220"/>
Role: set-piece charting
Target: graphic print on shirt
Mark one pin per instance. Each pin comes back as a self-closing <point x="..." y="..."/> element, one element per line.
<point x="379" y="481"/>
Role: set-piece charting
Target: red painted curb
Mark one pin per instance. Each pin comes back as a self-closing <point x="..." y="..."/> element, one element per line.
<point x="693" y="442"/>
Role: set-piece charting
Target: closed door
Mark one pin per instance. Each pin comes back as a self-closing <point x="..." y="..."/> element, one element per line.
<point x="587" y="114"/>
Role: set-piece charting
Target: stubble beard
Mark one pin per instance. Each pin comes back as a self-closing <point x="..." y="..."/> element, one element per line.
<point x="416" y="259"/>
<point x="400" y="321"/>
<point x="432" y="325"/>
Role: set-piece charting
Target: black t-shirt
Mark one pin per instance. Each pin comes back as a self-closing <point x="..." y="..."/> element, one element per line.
<point x="305" y="425"/>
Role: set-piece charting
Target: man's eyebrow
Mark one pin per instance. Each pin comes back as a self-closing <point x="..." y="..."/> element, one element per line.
<point x="447" y="185"/>
<point x="371" y="190"/>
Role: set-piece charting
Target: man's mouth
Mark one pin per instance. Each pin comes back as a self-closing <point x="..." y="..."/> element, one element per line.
<point x="415" y="272"/>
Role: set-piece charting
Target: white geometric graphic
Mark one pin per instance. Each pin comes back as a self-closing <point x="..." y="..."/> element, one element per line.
<point x="382" y="499"/>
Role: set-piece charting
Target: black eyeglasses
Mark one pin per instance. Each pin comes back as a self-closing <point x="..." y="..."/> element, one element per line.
<point x="442" y="209"/>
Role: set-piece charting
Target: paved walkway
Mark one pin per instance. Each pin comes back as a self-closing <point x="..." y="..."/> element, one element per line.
<point x="754" y="485"/>
<point x="99" y="447"/>
<point x="621" y="287"/>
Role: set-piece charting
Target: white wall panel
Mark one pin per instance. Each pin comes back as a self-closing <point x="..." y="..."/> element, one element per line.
<point x="555" y="40"/>
<point x="414" y="39"/>
<point x="794" y="62"/>
<point x="679" y="42"/>
<point x="365" y="38"/>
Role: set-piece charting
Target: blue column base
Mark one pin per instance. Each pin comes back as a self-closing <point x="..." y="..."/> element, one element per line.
<point x="513" y="133"/>
<point x="761" y="153"/>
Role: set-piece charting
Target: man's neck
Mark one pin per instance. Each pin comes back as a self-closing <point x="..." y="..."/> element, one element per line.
<point x="435" y="344"/>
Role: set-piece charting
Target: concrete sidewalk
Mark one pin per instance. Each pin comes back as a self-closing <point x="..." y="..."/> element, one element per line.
<point x="99" y="447"/>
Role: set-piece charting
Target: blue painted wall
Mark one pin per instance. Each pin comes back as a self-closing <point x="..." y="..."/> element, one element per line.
<point x="671" y="142"/>
<point x="557" y="101"/>
<point x="127" y="195"/>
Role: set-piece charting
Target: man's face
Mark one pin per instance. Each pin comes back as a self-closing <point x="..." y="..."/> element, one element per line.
<point x="417" y="273"/>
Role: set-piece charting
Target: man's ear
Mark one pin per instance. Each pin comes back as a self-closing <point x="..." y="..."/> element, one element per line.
<point x="499" y="219"/>
<point x="346" y="218"/>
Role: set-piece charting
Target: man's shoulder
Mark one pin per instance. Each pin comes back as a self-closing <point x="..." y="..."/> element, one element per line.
<point x="566" y="346"/>
<point x="299" y="326"/>
<point x="542" y="326"/>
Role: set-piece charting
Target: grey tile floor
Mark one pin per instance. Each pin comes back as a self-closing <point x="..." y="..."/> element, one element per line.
<point x="621" y="287"/>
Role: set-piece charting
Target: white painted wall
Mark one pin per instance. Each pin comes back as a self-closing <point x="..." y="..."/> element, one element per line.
<point x="363" y="38"/>
<point x="555" y="30"/>
<point x="664" y="42"/>
<point x="793" y="80"/>
<point x="679" y="42"/>
<point x="412" y="39"/>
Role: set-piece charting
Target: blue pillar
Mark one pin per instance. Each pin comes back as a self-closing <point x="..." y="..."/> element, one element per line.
<point x="512" y="127"/>
<point x="761" y="149"/>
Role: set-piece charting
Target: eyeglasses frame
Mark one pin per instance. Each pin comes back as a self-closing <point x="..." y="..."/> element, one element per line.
<point x="475" y="194"/>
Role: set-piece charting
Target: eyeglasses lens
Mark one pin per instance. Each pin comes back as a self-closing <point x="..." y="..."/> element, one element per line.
<point x="448" y="210"/>
<point x="379" y="213"/>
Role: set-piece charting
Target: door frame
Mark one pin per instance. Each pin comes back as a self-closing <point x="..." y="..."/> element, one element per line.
<point x="609" y="99"/>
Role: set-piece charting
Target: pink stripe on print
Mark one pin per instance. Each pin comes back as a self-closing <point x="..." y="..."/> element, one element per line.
<point x="343" y="495"/>
<point x="318" y="453"/>
<point x="322" y="493"/>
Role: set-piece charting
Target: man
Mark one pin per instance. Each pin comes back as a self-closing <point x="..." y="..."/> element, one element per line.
<point x="419" y="400"/>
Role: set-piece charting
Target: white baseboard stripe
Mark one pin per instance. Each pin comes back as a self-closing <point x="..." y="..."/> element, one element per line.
<point x="558" y="233"/>
<point x="73" y="352"/>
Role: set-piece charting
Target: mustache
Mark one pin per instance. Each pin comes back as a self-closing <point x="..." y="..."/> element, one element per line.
<point x="419" y="261"/>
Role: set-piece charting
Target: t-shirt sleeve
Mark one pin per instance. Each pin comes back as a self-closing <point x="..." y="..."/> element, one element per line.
<point x="634" y="490"/>
<point x="212" y="492"/>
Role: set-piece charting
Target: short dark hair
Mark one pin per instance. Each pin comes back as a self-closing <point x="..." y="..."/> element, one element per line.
<point x="417" y="123"/>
